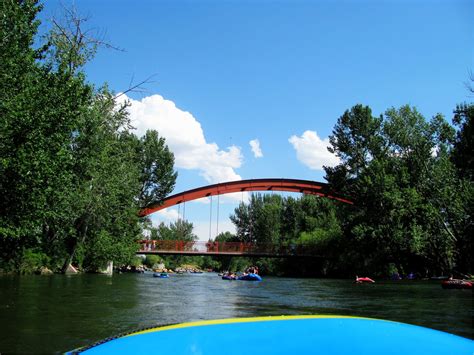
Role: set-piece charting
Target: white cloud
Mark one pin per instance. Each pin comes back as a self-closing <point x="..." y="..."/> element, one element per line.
<point x="168" y="214"/>
<point x="185" y="138"/>
<point x="312" y="151"/>
<point x="255" y="145"/>
<point x="236" y="197"/>
<point x="228" y="198"/>
<point x="201" y="229"/>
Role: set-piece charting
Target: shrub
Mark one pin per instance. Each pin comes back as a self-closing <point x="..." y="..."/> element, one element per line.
<point x="151" y="260"/>
<point x="32" y="260"/>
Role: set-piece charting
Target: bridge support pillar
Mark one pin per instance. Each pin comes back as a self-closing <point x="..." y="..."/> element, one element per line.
<point x="109" y="270"/>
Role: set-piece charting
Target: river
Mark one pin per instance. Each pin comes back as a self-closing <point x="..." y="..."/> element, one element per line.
<point x="47" y="314"/>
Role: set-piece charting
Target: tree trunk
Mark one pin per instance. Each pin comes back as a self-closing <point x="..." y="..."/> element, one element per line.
<point x="81" y="238"/>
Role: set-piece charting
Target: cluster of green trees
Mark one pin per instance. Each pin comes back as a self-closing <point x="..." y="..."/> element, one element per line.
<point x="179" y="230"/>
<point x="73" y="176"/>
<point x="415" y="202"/>
<point x="412" y="183"/>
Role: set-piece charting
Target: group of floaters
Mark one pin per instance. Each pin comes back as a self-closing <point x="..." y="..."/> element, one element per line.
<point x="250" y="274"/>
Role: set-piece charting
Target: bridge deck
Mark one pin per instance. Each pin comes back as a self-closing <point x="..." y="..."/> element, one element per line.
<point x="238" y="249"/>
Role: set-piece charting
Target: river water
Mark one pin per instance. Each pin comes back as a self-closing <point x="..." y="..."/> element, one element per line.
<point x="46" y="314"/>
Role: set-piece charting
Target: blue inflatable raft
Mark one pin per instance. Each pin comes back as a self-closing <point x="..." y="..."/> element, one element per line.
<point x="333" y="335"/>
<point x="161" y="275"/>
<point x="250" y="277"/>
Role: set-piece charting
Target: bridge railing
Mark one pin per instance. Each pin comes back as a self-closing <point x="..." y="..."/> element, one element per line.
<point x="225" y="248"/>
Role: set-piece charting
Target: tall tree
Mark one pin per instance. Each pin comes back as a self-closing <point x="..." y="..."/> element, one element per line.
<point x="40" y="110"/>
<point x="462" y="157"/>
<point x="463" y="153"/>
<point x="72" y="175"/>
<point x="400" y="217"/>
<point x="157" y="169"/>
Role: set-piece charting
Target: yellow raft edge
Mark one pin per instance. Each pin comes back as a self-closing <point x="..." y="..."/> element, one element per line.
<point x="242" y="320"/>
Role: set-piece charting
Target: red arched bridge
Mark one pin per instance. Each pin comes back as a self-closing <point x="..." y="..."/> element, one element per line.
<point x="289" y="185"/>
<point x="176" y="247"/>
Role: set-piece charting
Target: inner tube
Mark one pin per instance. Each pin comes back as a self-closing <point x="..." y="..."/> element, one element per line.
<point x="161" y="275"/>
<point x="459" y="284"/>
<point x="364" y="279"/>
<point x="250" y="277"/>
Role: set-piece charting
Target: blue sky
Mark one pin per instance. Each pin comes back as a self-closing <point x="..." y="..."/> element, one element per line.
<point x="280" y="72"/>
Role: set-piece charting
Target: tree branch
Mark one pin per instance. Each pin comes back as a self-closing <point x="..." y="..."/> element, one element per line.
<point x="137" y="86"/>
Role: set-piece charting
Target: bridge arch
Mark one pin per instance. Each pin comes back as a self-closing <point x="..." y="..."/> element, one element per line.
<point x="289" y="185"/>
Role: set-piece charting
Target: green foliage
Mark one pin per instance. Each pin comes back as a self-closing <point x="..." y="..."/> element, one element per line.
<point x="226" y="237"/>
<point x="72" y="174"/>
<point x="156" y="176"/>
<point x="308" y="221"/>
<point x="179" y="230"/>
<point x="32" y="260"/>
<point x="136" y="262"/>
<point x="209" y="262"/>
<point x="404" y="186"/>
<point x="463" y="152"/>
<point x="175" y="261"/>
<point x="237" y="264"/>
<point x="258" y="222"/>
<point x="462" y="195"/>
<point x="319" y="238"/>
<point x="151" y="260"/>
